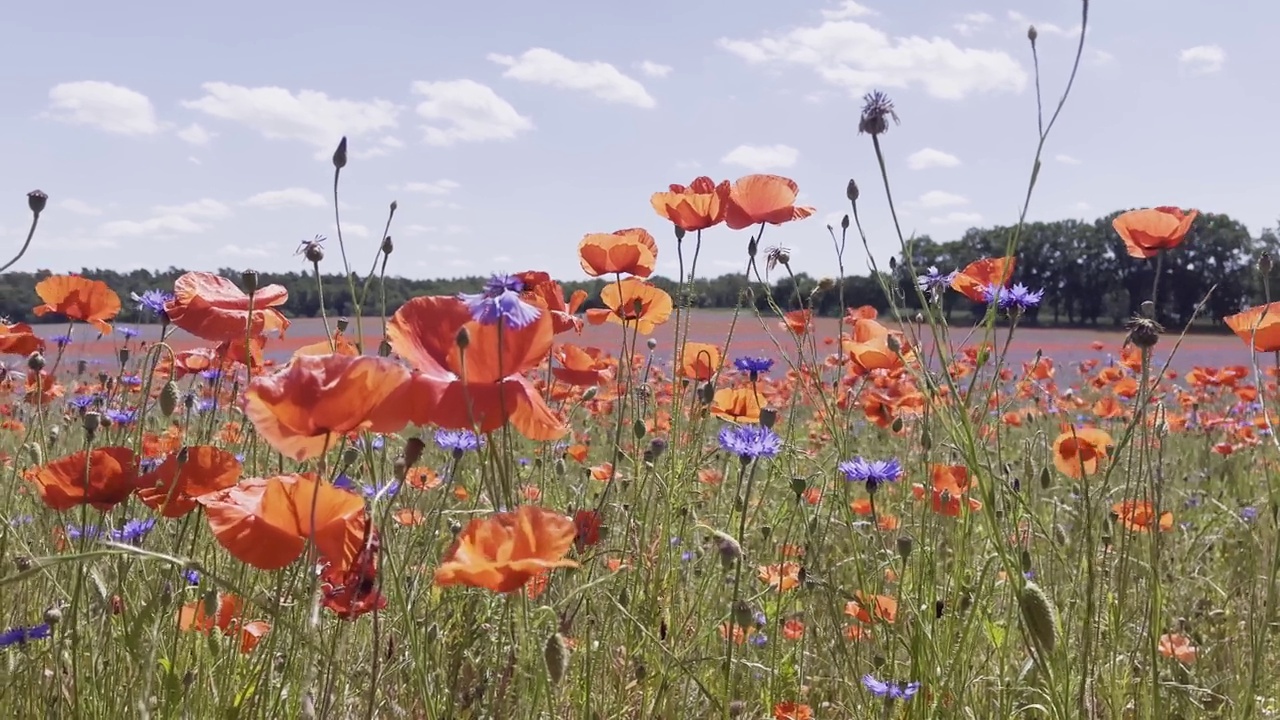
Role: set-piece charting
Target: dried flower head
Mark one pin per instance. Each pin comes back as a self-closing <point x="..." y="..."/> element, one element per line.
<point x="776" y="256"/>
<point x="877" y="108"/>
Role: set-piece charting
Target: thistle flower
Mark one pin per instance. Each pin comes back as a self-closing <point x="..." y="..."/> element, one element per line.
<point x="877" y="108"/>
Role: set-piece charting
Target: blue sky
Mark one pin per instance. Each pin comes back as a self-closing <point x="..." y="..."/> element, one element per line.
<point x="199" y="135"/>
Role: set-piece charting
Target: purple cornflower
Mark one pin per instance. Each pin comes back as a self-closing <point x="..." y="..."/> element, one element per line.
<point x="146" y="465"/>
<point x="61" y="340"/>
<point x="871" y="472"/>
<point x="750" y="442"/>
<point x="210" y="375"/>
<point x="890" y="690"/>
<point x="375" y="492"/>
<point x="753" y="366"/>
<point x="134" y="530"/>
<point x="121" y="417"/>
<point x="458" y="441"/>
<point x="22" y="635"/>
<point x="75" y="532"/>
<point x="343" y="482"/>
<point x="375" y="444"/>
<point x="152" y="302"/>
<point x="1249" y="514"/>
<point x="934" y="281"/>
<point x="82" y="402"/>
<point x="131" y="380"/>
<point x="128" y="332"/>
<point x="192" y="577"/>
<point x="1017" y="298"/>
<point x="501" y="301"/>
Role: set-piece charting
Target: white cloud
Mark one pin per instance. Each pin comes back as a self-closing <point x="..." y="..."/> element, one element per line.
<point x="202" y="208"/>
<point x="654" y="70"/>
<point x="762" y="157"/>
<point x="437" y="187"/>
<point x="238" y="251"/>
<point x="926" y="158"/>
<point x="1203" y="59"/>
<point x="289" y="197"/>
<point x="163" y="225"/>
<point x="848" y="9"/>
<point x="940" y="198"/>
<point x="444" y="249"/>
<point x="1100" y="57"/>
<point x="415" y="230"/>
<point x="466" y="111"/>
<point x="381" y="148"/>
<point x="1066" y="159"/>
<point x="195" y="134"/>
<point x="1042" y="28"/>
<point x="194" y="160"/>
<point x="456" y="230"/>
<point x="79" y="207"/>
<point x="972" y="23"/>
<point x="859" y="58"/>
<point x="355" y="230"/>
<point x="547" y="67"/>
<point x="957" y="218"/>
<point x="109" y="107"/>
<point x="307" y="115"/>
<point x="1083" y="206"/>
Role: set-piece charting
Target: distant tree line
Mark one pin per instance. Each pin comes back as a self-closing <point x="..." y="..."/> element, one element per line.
<point x="1087" y="278"/>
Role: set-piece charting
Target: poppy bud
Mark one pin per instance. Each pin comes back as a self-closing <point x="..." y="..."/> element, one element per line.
<point x="349" y="456"/>
<point x="249" y="278"/>
<point x="54" y="433"/>
<point x="651" y="343"/>
<point x="707" y="393"/>
<point x="413" y="450"/>
<point x="36" y="200"/>
<point x="556" y="656"/>
<point x="926" y="439"/>
<point x="1032" y="34"/>
<point x="387" y="245"/>
<point x="798" y="486"/>
<point x="638" y="429"/>
<point x="91" y="421"/>
<point x="896" y="425"/>
<point x="851" y="192"/>
<point x="384" y="349"/>
<point x="679" y="233"/>
<point x="590" y="393"/>
<point x="624" y="598"/>
<point x="35" y="362"/>
<point x="905" y="546"/>
<point x="768" y="416"/>
<point x="36" y="452"/>
<point x="844" y="222"/>
<point x="189" y="401"/>
<point x="82" y="366"/>
<point x="752" y="245"/>
<point x="400" y="468"/>
<point x="742" y="614"/>
<point x="1264" y="263"/>
<point x="340" y="155"/>
<point x="1039" y="615"/>
<point x="169" y="398"/>
<point x="123" y="355"/>
<point x="463" y="338"/>
<point x="559" y="467"/>
<point x="1025" y="560"/>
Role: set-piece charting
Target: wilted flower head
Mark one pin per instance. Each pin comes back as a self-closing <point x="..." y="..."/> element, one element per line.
<point x="877" y="108"/>
<point x="501" y="301"/>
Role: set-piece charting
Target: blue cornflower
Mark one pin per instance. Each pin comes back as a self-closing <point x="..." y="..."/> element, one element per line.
<point x="121" y="417"/>
<point x="60" y="340"/>
<point x="758" y="639"/>
<point x="750" y="442"/>
<point x="210" y="375"/>
<point x="376" y="444"/>
<point x="343" y="482"/>
<point x="375" y="492"/>
<point x="871" y="472"/>
<point x="131" y="380"/>
<point x="22" y="635"/>
<point x="753" y="365"/>
<point x="146" y="465"/>
<point x="458" y="441"/>
<point x="192" y="577"/>
<point x="1010" y="299"/>
<point x="501" y="301"/>
<point x="206" y="405"/>
<point x="134" y="530"/>
<point x="75" y="532"/>
<point x="1249" y="514"/>
<point x="82" y="402"/>
<point x="890" y="690"/>
<point x="935" y="281"/>
<point x="128" y="332"/>
<point x="152" y="302"/>
<point x="21" y="520"/>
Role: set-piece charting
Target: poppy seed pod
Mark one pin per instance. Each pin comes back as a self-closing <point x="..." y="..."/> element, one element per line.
<point x="905" y="545"/>
<point x="35" y="362"/>
<point x="168" y="400"/>
<point x="53" y="615"/>
<point x="314" y="253"/>
<point x="36" y="200"/>
<point x="651" y="343"/>
<point x="249" y="278"/>
<point x="91" y="420"/>
<point x="123" y="355"/>
<point x="463" y="338"/>
<point x="1032" y="34"/>
<point x="387" y="245"/>
<point x="768" y="416"/>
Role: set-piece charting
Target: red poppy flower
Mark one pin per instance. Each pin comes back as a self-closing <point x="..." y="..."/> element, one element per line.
<point x="212" y="307"/>
<point x="757" y="199"/>
<point x="78" y="298"/>
<point x="107" y="479"/>
<point x="699" y="206"/>
<point x="503" y="551"/>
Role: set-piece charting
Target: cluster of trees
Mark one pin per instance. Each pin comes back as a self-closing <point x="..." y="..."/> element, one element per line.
<point x="1087" y="278"/>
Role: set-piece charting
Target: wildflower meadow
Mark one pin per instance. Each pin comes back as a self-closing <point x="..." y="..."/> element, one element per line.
<point x="454" y="507"/>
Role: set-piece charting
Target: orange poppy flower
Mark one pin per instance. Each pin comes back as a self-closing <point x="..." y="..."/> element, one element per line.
<point x="339" y="345"/>
<point x="106" y="480"/>
<point x="183" y="476"/>
<point x="41" y="388"/>
<point x="581" y="367"/>
<point x="978" y="275"/>
<point x="305" y="408"/>
<point x="78" y="298"/>
<point x="1258" y="325"/>
<point x="212" y="307"/>
<point x="741" y="404"/>
<point x="784" y="576"/>
<point x="791" y="710"/>
<point x="266" y="522"/>
<point x="633" y="303"/>
<point x="632" y="251"/>
<point x="503" y="551"/>
<point x="757" y="199"/>
<point x="19" y="339"/>
<point x="882" y="607"/>
<point x="1139" y="516"/>
<point x="868" y="348"/>
<point x="541" y="290"/>
<point x="194" y="617"/>
<point x="1178" y="647"/>
<point x="697" y="207"/>
<point x="1079" y="451"/>
<point x="798" y="322"/>
<point x="700" y="361"/>
<point x="1147" y="232"/>
<point x="482" y="387"/>
<point x="950" y="486"/>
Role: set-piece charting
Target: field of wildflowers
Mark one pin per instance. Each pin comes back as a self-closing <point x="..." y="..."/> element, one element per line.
<point x="474" y="515"/>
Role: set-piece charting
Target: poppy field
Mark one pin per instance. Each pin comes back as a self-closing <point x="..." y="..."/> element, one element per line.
<point x="499" y="505"/>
